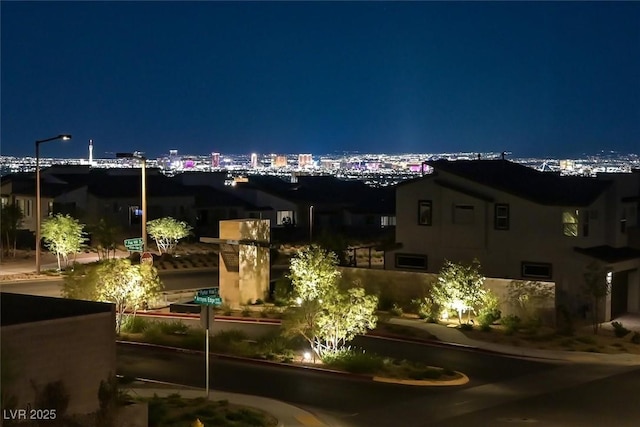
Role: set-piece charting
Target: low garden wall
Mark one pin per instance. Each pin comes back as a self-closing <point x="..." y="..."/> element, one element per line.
<point x="401" y="287"/>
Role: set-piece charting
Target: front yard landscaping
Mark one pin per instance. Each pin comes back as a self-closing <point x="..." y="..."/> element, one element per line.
<point x="287" y="350"/>
<point x="176" y="411"/>
<point x="546" y="338"/>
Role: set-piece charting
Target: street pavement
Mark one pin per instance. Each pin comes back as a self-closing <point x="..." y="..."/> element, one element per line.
<point x="623" y="365"/>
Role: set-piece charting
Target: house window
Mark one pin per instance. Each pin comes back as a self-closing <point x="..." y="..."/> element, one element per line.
<point x="425" y="214"/>
<point x="463" y="214"/>
<point x="501" y="216"/>
<point x="5" y="201"/>
<point x="536" y="270"/>
<point x="570" y="223"/>
<point x="387" y="221"/>
<point x="413" y="261"/>
<point x="28" y="208"/>
<point x="284" y="218"/>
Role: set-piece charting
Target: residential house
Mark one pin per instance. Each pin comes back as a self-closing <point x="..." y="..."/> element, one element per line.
<point x="523" y="224"/>
<point x="313" y="204"/>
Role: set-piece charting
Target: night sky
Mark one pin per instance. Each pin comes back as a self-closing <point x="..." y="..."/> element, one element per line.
<point x="550" y="78"/>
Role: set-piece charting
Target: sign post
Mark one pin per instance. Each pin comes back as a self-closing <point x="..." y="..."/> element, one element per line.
<point x="207" y="297"/>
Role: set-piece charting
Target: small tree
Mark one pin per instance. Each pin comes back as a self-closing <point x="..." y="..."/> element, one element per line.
<point x="326" y="316"/>
<point x="459" y="287"/>
<point x="596" y="289"/>
<point x="128" y="286"/>
<point x="105" y="238"/>
<point x="167" y="231"/>
<point x="63" y="235"/>
<point x="527" y="299"/>
<point x="11" y="219"/>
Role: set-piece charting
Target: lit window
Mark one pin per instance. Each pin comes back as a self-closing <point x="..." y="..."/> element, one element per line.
<point x="284" y="218"/>
<point x="424" y="212"/>
<point x="387" y="221"/>
<point x="570" y="223"/>
<point x="501" y="216"/>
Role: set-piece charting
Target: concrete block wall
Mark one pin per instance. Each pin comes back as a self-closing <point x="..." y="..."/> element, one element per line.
<point x="78" y="350"/>
<point x="403" y="286"/>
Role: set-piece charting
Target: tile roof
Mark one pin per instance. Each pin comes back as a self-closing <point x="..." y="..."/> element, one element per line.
<point x="545" y="188"/>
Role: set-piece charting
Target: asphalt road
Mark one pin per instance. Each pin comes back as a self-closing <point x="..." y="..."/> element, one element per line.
<point x="172" y="280"/>
<point x="361" y="402"/>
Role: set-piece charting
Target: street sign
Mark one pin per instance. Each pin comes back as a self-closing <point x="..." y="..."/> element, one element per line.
<point x="133" y="244"/>
<point x="210" y="296"/>
<point x="146" y="258"/>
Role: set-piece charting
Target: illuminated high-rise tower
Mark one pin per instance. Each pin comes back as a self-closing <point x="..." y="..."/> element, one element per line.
<point x="215" y="160"/>
<point x="305" y="160"/>
<point x="254" y="160"/>
<point x="91" y="152"/>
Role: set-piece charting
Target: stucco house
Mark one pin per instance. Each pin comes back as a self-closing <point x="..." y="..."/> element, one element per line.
<point x="523" y="224"/>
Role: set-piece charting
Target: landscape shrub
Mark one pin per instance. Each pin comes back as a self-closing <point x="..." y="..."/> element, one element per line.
<point x="466" y="327"/>
<point x="396" y="310"/>
<point x="174" y="327"/>
<point x="354" y="361"/>
<point x="134" y="324"/>
<point x="619" y="330"/>
<point x="426" y="308"/>
<point x="195" y="339"/>
<point x="282" y="292"/>
<point x="153" y="334"/>
<point x="246" y="312"/>
<point x="511" y="323"/>
<point x="490" y="311"/>
<point x="635" y="338"/>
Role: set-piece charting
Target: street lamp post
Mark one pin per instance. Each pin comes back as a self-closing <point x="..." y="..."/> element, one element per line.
<point x="38" y="202"/>
<point x="143" y="161"/>
<point x="311" y="224"/>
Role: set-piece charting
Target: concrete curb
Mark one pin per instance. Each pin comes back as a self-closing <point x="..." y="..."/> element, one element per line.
<point x="362" y="377"/>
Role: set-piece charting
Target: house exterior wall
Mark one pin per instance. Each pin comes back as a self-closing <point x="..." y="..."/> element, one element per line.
<point x="79" y="350"/>
<point x="535" y="232"/>
<point x="262" y="198"/>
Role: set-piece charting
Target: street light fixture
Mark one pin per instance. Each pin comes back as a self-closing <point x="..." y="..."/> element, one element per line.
<point x="143" y="160"/>
<point x="310" y="224"/>
<point x="63" y="137"/>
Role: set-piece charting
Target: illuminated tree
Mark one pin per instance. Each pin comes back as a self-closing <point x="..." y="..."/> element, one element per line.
<point x="459" y="287"/>
<point x="128" y="286"/>
<point x="167" y="231"/>
<point x="117" y="281"/>
<point x="63" y="235"/>
<point x="326" y="316"/>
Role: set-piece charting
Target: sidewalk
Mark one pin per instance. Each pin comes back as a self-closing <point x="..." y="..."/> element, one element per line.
<point x="287" y="415"/>
<point x="453" y="336"/>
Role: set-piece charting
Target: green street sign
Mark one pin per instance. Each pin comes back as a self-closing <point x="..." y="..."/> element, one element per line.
<point x="210" y="296"/>
<point x="133" y="244"/>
